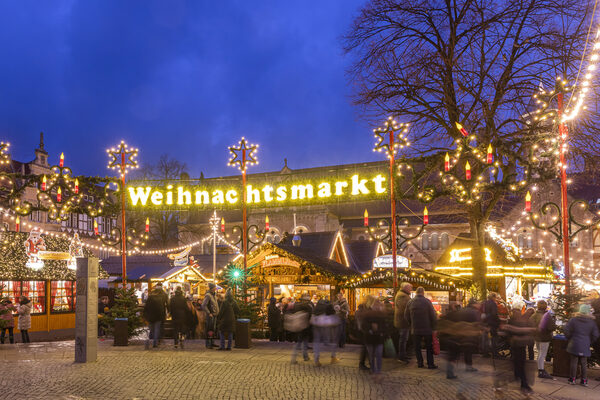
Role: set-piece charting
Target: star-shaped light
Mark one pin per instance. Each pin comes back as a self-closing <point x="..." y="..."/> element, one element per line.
<point x="382" y="136"/>
<point x="122" y="158"/>
<point x="243" y="155"/>
<point x="4" y="156"/>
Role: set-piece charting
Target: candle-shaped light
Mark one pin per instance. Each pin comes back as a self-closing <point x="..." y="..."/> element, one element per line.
<point x="366" y="218"/>
<point x="95" y="227"/>
<point x="468" y="171"/>
<point x="147" y="229"/>
<point x="447" y="163"/>
<point x="425" y="216"/>
<point x="61" y="162"/>
<point x="59" y="195"/>
<point x="266" y="223"/>
<point x="76" y="186"/>
<point x="18" y="224"/>
<point x="528" y="202"/>
<point x="462" y="130"/>
<point x="44" y="180"/>
<point x="490" y="154"/>
<point x="222" y="224"/>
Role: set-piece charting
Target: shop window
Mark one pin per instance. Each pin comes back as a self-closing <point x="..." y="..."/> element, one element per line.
<point x="445" y="240"/>
<point x="424" y="242"/>
<point x="62" y="296"/>
<point x="35" y="291"/>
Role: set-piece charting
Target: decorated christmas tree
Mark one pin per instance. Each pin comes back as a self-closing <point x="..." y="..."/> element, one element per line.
<point x="126" y="306"/>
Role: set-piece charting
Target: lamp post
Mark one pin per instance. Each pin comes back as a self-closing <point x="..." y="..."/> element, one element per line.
<point x="242" y="156"/>
<point x="122" y="159"/>
<point x="391" y="137"/>
<point x="215" y="223"/>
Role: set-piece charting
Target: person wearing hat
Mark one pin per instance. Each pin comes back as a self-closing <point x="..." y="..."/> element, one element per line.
<point x="581" y="331"/>
<point x="211" y="307"/>
<point x="24" y="312"/>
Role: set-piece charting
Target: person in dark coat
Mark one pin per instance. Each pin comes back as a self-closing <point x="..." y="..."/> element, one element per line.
<point x="421" y="315"/>
<point x="226" y="318"/>
<point x="596" y="314"/>
<point x="375" y="330"/>
<point x="179" y="309"/>
<point x="210" y="306"/>
<point x="358" y="320"/>
<point x="302" y="306"/>
<point x="155" y="312"/>
<point x="400" y="322"/>
<point x="521" y="334"/>
<point x="544" y="325"/>
<point x="274" y="319"/>
<point x="492" y="323"/>
<point x="582" y="331"/>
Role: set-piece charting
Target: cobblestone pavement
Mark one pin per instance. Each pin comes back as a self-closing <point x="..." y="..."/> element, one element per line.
<point x="47" y="371"/>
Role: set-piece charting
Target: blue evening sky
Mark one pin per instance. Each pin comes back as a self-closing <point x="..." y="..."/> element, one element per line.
<point x="183" y="78"/>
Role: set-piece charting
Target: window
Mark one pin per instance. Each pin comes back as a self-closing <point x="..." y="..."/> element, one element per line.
<point x="62" y="296"/>
<point x="524" y="241"/>
<point x="273" y="236"/>
<point x="34" y="290"/>
<point x="301" y="229"/>
<point x="445" y="240"/>
<point x="424" y="242"/>
<point x="434" y="241"/>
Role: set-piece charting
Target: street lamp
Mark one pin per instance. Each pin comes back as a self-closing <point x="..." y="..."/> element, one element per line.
<point x="242" y="156"/>
<point x="122" y="159"/>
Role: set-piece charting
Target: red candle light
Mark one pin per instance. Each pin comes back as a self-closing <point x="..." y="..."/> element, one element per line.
<point x="462" y="130"/>
<point x="222" y="224"/>
<point x="76" y="185"/>
<point x="468" y="171"/>
<point x="528" y="202"/>
<point x="447" y="163"/>
<point x="18" y="224"/>
<point x="366" y="218"/>
<point x="95" y="227"/>
<point x="266" y="223"/>
<point x="147" y="224"/>
<point x="425" y="216"/>
<point x="44" y="180"/>
<point x="59" y="195"/>
<point x="490" y="154"/>
<point x="61" y="162"/>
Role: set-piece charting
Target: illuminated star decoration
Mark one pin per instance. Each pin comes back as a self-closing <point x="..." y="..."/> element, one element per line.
<point x="382" y="137"/>
<point x="237" y="155"/>
<point x="4" y="156"/>
<point x="122" y="158"/>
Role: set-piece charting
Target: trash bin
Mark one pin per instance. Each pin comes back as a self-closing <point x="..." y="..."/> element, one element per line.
<point x="243" y="339"/>
<point x="561" y="360"/>
<point x="121" y="333"/>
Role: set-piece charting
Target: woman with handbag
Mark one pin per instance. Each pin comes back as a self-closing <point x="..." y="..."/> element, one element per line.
<point x="323" y="320"/>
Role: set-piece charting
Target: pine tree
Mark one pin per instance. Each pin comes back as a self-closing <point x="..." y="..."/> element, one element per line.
<point x="126" y="306"/>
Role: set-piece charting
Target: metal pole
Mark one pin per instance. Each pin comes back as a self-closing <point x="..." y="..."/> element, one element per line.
<point x="214" y="226"/>
<point x="123" y="233"/>
<point x="244" y="222"/>
<point x="393" y="208"/>
<point x="563" y="132"/>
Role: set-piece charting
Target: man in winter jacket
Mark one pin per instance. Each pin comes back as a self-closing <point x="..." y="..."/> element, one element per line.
<point x="341" y="310"/>
<point x="179" y="309"/>
<point x="422" y="318"/>
<point x="155" y="312"/>
<point x="492" y="322"/>
<point x="211" y="308"/>
<point x="544" y="325"/>
<point x="400" y="322"/>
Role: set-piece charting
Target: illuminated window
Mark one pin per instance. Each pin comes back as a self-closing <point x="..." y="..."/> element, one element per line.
<point x="35" y="291"/>
<point x="62" y="296"/>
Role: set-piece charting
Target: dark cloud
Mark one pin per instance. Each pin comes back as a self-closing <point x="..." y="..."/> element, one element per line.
<point x="183" y="78"/>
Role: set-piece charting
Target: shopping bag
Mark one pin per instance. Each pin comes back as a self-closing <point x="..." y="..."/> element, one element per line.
<point x="436" y="344"/>
<point x="389" y="351"/>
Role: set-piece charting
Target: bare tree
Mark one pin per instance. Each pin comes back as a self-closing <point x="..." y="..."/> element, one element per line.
<point x="434" y="63"/>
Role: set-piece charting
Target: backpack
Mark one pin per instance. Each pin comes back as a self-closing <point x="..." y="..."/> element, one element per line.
<point x="296" y="322"/>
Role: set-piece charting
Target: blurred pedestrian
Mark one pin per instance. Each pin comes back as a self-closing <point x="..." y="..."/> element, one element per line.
<point x="521" y="334"/>
<point x="210" y="306"/>
<point x="155" y="312"/>
<point x="543" y="322"/>
<point x="460" y="331"/>
<point x="324" y="320"/>
<point x="492" y="322"/>
<point x="9" y="320"/>
<point x="228" y="313"/>
<point x="297" y="319"/>
<point x="24" y="312"/>
<point x="179" y="314"/>
<point x="374" y="331"/>
<point x="400" y="321"/>
<point x="422" y="318"/>
<point x="529" y="312"/>
<point x="274" y="319"/>
<point x="358" y="319"/>
<point x="582" y="331"/>
<point x="342" y="310"/>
